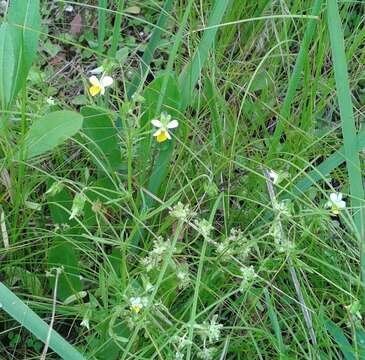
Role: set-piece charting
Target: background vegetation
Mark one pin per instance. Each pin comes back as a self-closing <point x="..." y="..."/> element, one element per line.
<point x="221" y="243"/>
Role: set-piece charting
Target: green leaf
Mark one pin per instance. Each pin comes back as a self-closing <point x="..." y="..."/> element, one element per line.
<point x="190" y="75"/>
<point x="51" y="130"/>
<point x="9" y="64"/>
<point x="31" y="321"/>
<point x="341" y="340"/>
<point x="24" y="17"/>
<point x="102" y="137"/>
<point x="153" y="44"/>
<point x="348" y="126"/>
<point x="62" y="252"/>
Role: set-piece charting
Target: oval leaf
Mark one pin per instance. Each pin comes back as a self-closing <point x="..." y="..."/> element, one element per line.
<point x="52" y="130"/>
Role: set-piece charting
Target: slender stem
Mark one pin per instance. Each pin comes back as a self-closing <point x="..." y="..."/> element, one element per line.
<point x="306" y="314"/>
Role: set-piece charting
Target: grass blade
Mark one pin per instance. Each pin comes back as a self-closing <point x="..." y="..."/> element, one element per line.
<point x="18" y="310"/>
<point x="101" y="24"/>
<point x="348" y="124"/>
<point x="151" y="47"/>
<point x="295" y="78"/>
<point x="190" y="75"/>
<point x="116" y="30"/>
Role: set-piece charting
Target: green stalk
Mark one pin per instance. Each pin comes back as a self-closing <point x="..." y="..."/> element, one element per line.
<point x="348" y="126"/>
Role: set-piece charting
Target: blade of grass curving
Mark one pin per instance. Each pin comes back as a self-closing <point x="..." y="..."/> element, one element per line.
<point x="348" y="125"/>
<point x="324" y="169"/>
<point x="153" y="44"/>
<point x="19" y="311"/>
<point x="190" y="75"/>
<point x="295" y="78"/>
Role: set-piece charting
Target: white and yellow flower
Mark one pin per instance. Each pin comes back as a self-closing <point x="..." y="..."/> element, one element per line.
<point x="336" y="204"/>
<point x="98" y="86"/>
<point x="164" y="125"/>
<point x="138" y="303"/>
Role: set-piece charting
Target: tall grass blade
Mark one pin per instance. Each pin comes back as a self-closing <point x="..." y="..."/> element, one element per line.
<point x="348" y="124"/>
<point x="295" y="78"/>
<point x="30" y="320"/>
<point x="190" y="75"/>
<point x="117" y="29"/>
<point x="151" y="48"/>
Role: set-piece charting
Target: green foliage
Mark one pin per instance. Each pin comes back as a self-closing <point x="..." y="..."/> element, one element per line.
<point x="31" y="321"/>
<point x="18" y="42"/>
<point x="51" y="130"/>
<point x="101" y="137"/>
<point x="63" y="251"/>
<point x="184" y="249"/>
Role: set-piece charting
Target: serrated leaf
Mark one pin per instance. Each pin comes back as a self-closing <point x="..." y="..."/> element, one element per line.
<point x="51" y="130"/>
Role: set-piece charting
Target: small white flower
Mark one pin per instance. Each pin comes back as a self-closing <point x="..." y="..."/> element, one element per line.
<point x="210" y="331"/>
<point x="138" y="303"/>
<point x="97" y="71"/>
<point x="204" y="227"/>
<point x="274" y="176"/>
<point x="164" y="124"/>
<point x="336" y="204"/>
<point x="69" y="8"/>
<point x="98" y="86"/>
<point x="50" y="101"/>
<point x="182" y="212"/>
<point x="85" y="322"/>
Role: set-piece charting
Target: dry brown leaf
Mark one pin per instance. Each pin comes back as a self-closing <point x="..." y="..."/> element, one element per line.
<point x="76" y="25"/>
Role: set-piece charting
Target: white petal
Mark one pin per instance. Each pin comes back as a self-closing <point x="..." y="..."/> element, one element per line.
<point x="157" y="133"/>
<point x="339" y="196"/>
<point x="97" y="71"/>
<point x="106" y="81"/>
<point x="102" y="89"/>
<point x="168" y="135"/>
<point x="156" y="123"/>
<point x="333" y="197"/>
<point x="341" y="204"/>
<point x="173" y="124"/>
<point x="94" y="80"/>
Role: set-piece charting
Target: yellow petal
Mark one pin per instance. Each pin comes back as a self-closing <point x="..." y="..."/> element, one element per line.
<point x="335" y="209"/>
<point x="94" y="90"/>
<point x="162" y="136"/>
